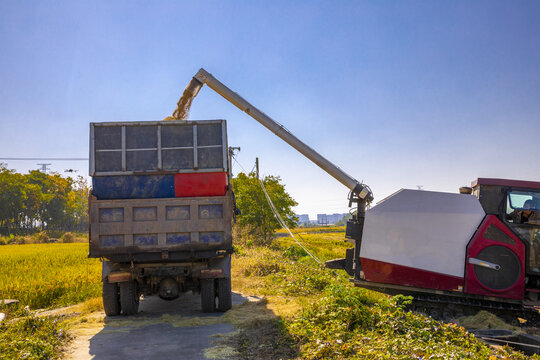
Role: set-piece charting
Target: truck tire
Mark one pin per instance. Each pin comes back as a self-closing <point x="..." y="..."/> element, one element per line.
<point x="208" y="295"/>
<point x="129" y="297"/>
<point x="224" y="294"/>
<point x="111" y="298"/>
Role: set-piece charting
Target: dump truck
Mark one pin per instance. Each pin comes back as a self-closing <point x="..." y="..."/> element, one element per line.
<point x="479" y="247"/>
<point x="160" y="211"/>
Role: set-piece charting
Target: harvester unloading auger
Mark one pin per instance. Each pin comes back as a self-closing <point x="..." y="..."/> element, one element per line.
<point x="476" y="248"/>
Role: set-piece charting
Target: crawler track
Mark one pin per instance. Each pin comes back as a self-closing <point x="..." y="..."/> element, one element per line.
<point x="445" y="308"/>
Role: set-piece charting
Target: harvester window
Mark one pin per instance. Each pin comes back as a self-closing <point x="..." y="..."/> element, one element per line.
<point x="523" y="200"/>
<point x="523" y="207"/>
<point x="523" y="212"/>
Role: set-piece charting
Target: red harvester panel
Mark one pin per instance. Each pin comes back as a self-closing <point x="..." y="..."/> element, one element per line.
<point x="482" y="241"/>
<point x="200" y="184"/>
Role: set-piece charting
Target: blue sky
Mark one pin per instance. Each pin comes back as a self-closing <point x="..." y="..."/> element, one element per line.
<point x="397" y="93"/>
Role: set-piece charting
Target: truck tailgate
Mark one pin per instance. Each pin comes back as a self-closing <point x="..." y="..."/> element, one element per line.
<point x="127" y="227"/>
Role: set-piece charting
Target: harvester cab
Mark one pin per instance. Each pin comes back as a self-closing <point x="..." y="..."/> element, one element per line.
<point x="517" y="205"/>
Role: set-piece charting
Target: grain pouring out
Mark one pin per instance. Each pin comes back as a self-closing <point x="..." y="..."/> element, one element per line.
<point x="184" y="103"/>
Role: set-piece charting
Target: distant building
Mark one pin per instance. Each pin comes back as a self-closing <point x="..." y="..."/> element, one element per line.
<point x="322" y="219"/>
<point x="329" y="219"/>
<point x="303" y="219"/>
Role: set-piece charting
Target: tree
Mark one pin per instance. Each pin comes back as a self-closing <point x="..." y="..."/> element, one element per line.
<point x="12" y="198"/>
<point x="38" y="200"/>
<point x="55" y="190"/>
<point x="77" y="205"/>
<point x="257" y="218"/>
<point x="344" y="220"/>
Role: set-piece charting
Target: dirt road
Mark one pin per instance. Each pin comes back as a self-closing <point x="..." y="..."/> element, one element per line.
<point x="161" y="330"/>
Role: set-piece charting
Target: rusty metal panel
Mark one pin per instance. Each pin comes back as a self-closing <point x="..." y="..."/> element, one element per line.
<point x="177" y="212"/>
<point x="111" y="215"/>
<point x="153" y="225"/>
<point x="146" y="213"/>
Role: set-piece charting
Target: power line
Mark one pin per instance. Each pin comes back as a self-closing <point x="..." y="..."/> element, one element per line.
<point x="283" y="224"/>
<point x="40" y="159"/>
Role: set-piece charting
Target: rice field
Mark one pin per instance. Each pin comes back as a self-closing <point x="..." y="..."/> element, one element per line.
<point x="48" y="275"/>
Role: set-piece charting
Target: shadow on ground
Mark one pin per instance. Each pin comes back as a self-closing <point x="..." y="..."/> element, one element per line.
<point x="179" y="330"/>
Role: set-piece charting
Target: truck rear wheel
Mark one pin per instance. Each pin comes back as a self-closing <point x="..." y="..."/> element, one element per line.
<point x="208" y="295"/>
<point x="224" y="294"/>
<point x="129" y="297"/>
<point x="111" y="298"/>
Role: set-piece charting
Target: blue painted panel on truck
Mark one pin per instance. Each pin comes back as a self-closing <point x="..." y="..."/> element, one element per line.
<point x="133" y="187"/>
<point x="178" y="238"/>
<point x="213" y="237"/>
<point x="144" y="239"/>
<point x="111" y="240"/>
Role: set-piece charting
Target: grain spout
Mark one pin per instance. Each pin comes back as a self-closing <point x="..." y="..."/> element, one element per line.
<point x="184" y="104"/>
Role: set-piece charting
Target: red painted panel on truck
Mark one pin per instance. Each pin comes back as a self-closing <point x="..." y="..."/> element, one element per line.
<point x="200" y="184"/>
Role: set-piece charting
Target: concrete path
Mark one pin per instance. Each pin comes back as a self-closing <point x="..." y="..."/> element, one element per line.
<point x="161" y="330"/>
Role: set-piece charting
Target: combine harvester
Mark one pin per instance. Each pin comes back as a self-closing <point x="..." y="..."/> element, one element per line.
<point x="476" y="248"/>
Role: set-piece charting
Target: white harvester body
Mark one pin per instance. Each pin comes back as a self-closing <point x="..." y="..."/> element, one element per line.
<point x="425" y="230"/>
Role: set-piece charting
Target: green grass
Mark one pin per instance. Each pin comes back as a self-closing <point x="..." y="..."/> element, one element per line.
<point x="334" y="320"/>
<point x="26" y="336"/>
<point x="48" y="275"/>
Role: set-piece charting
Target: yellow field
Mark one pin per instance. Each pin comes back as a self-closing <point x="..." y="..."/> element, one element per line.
<point x="44" y="275"/>
<point x="326" y="242"/>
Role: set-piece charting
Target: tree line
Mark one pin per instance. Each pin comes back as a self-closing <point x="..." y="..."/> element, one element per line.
<point x="37" y="201"/>
<point x="41" y="202"/>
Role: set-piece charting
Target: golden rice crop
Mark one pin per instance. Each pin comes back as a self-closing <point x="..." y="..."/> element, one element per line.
<point x="44" y="275"/>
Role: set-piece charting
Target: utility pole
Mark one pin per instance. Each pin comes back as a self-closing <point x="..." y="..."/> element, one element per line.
<point x="44" y="167"/>
<point x="257" y="166"/>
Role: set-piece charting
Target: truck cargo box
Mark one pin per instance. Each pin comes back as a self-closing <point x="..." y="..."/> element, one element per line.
<point x="160" y="229"/>
<point x="157" y="147"/>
